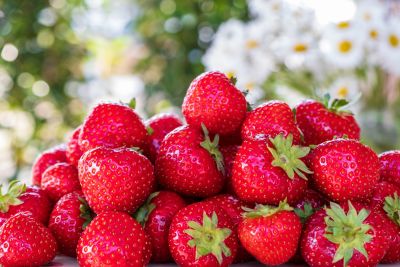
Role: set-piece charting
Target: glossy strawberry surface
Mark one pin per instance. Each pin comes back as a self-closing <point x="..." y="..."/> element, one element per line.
<point x="390" y="166"/>
<point x="381" y="191"/>
<point x="229" y="153"/>
<point x="45" y="160"/>
<point x="73" y="151"/>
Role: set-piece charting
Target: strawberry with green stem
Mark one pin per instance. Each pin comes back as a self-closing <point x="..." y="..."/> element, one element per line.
<point x="392" y="211"/>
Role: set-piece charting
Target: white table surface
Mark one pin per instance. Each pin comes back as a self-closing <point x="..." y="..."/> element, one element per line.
<point x="62" y="261"/>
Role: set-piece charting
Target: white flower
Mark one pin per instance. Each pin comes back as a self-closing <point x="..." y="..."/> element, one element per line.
<point x="345" y="88"/>
<point x="370" y="11"/>
<point x="389" y="47"/>
<point x="267" y="9"/>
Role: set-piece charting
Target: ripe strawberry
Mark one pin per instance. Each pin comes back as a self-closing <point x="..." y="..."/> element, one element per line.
<point x="269" y="120"/>
<point x="381" y="191"/>
<point x="212" y="99"/>
<point x="392" y="211"/>
<point x="322" y="122"/>
<point x="115" y="179"/>
<point x="202" y="234"/>
<point x="309" y="203"/>
<point x="45" y="160"/>
<point x="190" y="164"/>
<point x="390" y="166"/>
<point x="113" y="239"/>
<point x="267" y="173"/>
<point x="156" y="216"/>
<point x="113" y="125"/>
<point x="60" y="179"/>
<point x="24" y="242"/>
<point x="30" y="200"/>
<point x="74" y="151"/>
<point x="229" y="153"/>
<point x="67" y="221"/>
<point x="345" y="235"/>
<point x="233" y="207"/>
<point x="344" y="170"/>
<point x="270" y="234"/>
<point x="158" y="127"/>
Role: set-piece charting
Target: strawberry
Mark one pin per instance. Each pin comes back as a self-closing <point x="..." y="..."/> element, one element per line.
<point x="381" y="191"/>
<point x="67" y="221"/>
<point x="344" y="169"/>
<point x="321" y="122"/>
<point x="229" y="153"/>
<point x="45" y="160"/>
<point x="390" y="166"/>
<point x="113" y="239"/>
<point x="28" y="199"/>
<point x="269" y="233"/>
<point x="392" y="211"/>
<point x="267" y="173"/>
<point x="24" y="242"/>
<point x="309" y="203"/>
<point x="60" y="179"/>
<point x="202" y="234"/>
<point x="113" y="125"/>
<point x="115" y="179"/>
<point x="345" y="235"/>
<point x="156" y="216"/>
<point x="74" y="151"/>
<point x="233" y="207"/>
<point x="158" y="127"/>
<point x="269" y="120"/>
<point x="212" y="99"/>
<point x="190" y="163"/>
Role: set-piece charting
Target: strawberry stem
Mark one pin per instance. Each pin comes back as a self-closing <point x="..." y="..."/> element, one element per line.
<point x="304" y="213"/>
<point x="213" y="148"/>
<point x="11" y="198"/>
<point x="392" y="208"/>
<point x="142" y="214"/>
<point x="265" y="210"/>
<point x="86" y="213"/>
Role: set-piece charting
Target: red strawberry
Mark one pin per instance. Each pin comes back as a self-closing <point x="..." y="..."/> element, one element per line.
<point x="268" y="173"/>
<point x="190" y="164"/>
<point x="390" y="166"/>
<point x="158" y="127"/>
<point x="229" y="153"/>
<point x="344" y="169"/>
<point x="309" y="203"/>
<point x="67" y="221"/>
<point x="60" y="179"/>
<point x="269" y="120"/>
<point x="381" y="191"/>
<point x="202" y="234"/>
<point x="392" y="211"/>
<point x="344" y="235"/>
<point x="113" y="125"/>
<point x="30" y="200"/>
<point x="322" y="122"/>
<point x="233" y="207"/>
<point x="74" y="151"/>
<point x="214" y="100"/>
<point x="156" y="216"/>
<point x="270" y="234"/>
<point x="113" y="239"/>
<point x="45" y="160"/>
<point x="24" y="242"/>
<point x="115" y="179"/>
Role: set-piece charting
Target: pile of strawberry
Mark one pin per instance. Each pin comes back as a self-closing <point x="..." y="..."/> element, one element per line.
<point x="270" y="184"/>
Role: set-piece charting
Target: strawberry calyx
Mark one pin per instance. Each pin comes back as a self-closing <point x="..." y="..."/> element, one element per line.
<point x="142" y="214"/>
<point x="392" y="208"/>
<point x="288" y="156"/>
<point x="11" y="198"/>
<point x="305" y="212"/>
<point x="213" y="148"/>
<point x="338" y="105"/>
<point x="207" y="238"/>
<point x="86" y="213"/>
<point x="132" y="103"/>
<point x="265" y="210"/>
<point x="149" y="130"/>
<point x="348" y="231"/>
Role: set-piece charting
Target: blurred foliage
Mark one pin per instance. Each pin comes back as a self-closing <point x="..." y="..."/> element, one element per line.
<point x="176" y="33"/>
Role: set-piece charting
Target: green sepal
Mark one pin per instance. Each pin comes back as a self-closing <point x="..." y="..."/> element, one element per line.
<point x="348" y="231"/>
<point x="207" y="238"/>
<point x="392" y="208"/>
<point x="11" y="197"/>
<point x="338" y="105"/>
<point x="265" y="210"/>
<point x="142" y="214"/>
<point x="150" y="130"/>
<point x="136" y="149"/>
<point x="132" y="103"/>
<point x="86" y="213"/>
<point x="213" y="148"/>
<point x="233" y="80"/>
<point x="288" y="156"/>
<point x="304" y="213"/>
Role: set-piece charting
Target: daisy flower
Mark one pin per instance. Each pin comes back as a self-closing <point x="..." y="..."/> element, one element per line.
<point x="345" y="88"/>
<point x="369" y="11"/>
<point x="389" y="47"/>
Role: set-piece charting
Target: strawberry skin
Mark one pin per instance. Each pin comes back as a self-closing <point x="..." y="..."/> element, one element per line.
<point x="156" y="216"/>
<point x="381" y="191"/>
<point x="344" y="170"/>
<point x="118" y="179"/>
<point x="229" y="153"/>
<point x="309" y="203"/>
<point x="212" y="99"/>
<point x="320" y="124"/>
<point x="73" y="151"/>
<point x="158" y="127"/>
<point x="60" y="179"/>
<point x="24" y="242"/>
<point x="113" y="125"/>
<point x="390" y="166"/>
<point x="185" y="167"/>
<point x="268" y="120"/>
<point x="45" y="160"/>
<point x="270" y="234"/>
<point x="113" y="239"/>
